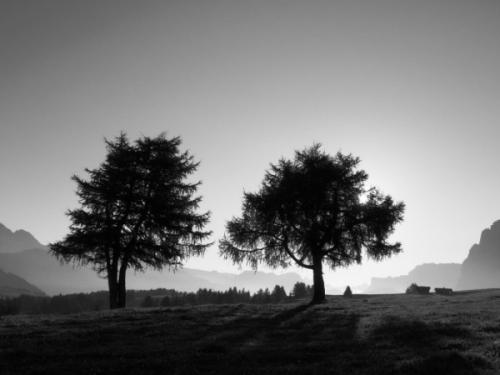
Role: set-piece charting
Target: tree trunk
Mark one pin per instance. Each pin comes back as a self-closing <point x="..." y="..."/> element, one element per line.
<point x="113" y="289"/>
<point x="319" y="284"/>
<point x="122" y="290"/>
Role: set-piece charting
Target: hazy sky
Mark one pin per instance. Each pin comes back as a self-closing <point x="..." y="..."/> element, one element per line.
<point x="411" y="87"/>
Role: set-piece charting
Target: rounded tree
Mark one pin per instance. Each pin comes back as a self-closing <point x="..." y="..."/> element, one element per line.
<point x="310" y="211"/>
<point x="137" y="211"/>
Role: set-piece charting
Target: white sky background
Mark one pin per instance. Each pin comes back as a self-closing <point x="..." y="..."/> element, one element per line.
<point x="411" y="87"/>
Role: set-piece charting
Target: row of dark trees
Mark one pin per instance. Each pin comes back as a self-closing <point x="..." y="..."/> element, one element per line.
<point x="232" y="295"/>
<point x="139" y="210"/>
<point x="95" y="301"/>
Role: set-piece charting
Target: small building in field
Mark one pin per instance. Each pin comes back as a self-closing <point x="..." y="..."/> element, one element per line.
<point x="415" y="289"/>
<point x="443" y="291"/>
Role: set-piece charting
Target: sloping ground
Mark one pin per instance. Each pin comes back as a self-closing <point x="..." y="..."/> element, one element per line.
<point x="19" y="240"/>
<point x="13" y="286"/>
<point x="40" y="268"/>
<point x="436" y="275"/>
<point x="396" y="334"/>
<point x="480" y="268"/>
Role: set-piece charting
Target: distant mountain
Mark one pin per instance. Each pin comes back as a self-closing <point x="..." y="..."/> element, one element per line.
<point x="13" y="286"/>
<point x="11" y="242"/>
<point x="430" y="274"/>
<point x="21" y="254"/>
<point x="40" y="268"/>
<point x="481" y="268"/>
<point x="190" y="280"/>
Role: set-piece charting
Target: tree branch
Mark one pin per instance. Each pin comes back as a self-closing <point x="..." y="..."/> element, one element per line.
<point x="300" y="261"/>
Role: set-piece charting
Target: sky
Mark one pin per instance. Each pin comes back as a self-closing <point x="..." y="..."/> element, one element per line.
<point x="411" y="87"/>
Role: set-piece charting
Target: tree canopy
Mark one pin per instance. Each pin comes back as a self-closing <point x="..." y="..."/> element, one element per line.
<point x="137" y="210"/>
<point x="312" y="210"/>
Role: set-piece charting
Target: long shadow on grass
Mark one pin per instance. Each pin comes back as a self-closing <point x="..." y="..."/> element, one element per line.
<point x="428" y="348"/>
<point x="305" y="340"/>
<point x="300" y="340"/>
<point x="245" y="339"/>
<point x="289" y="314"/>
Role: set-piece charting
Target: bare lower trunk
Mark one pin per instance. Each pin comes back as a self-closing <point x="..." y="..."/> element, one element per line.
<point x="319" y="284"/>
<point x="113" y="289"/>
<point x="122" y="290"/>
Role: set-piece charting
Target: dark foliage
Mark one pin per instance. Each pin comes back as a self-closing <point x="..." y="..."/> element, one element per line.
<point x="301" y="290"/>
<point x="148" y="302"/>
<point x="137" y="211"/>
<point x="61" y="304"/>
<point x="95" y="301"/>
<point x="348" y="292"/>
<point x="312" y="210"/>
<point x="444" y="291"/>
<point x="415" y="289"/>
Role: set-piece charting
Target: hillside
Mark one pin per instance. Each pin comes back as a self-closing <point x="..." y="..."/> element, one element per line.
<point x="431" y="274"/>
<point x="362" y="335"/>
<point x="21" y="254"/>
<point x="481" y="268"/>
<point x="13" y="286"/>
<point x="38" y="267"/>
<point x="11" y="242"/>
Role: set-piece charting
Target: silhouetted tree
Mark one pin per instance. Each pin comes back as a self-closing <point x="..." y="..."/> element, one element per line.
<point x="95" y="301"/>
<point x="311" y="210"/>
<point x="137" y="211"/>
<point x="301" y="290"/>
<point x="348" y="292"/>
<point x="148" y="302"/>
<point x="259" y="297"/>
<point x="278" y="294"/>
<point x="267" y="296"/>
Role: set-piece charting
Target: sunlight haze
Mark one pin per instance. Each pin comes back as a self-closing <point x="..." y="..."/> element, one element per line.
<point x="411" y="87"/>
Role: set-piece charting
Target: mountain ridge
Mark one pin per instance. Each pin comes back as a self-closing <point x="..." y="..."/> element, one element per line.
<point x="19" y="240"/>
<point x="13" y="286"/>
<point x="38" y="267"/>
<point x="481" y="267"/>
<point x="479" y="270"/>
<point x="432" y="274"/>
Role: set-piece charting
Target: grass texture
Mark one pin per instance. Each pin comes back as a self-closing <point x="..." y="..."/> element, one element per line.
<point x="364" y="334"/>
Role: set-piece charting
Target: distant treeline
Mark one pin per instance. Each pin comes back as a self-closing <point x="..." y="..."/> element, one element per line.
<point x="95" y="301"/>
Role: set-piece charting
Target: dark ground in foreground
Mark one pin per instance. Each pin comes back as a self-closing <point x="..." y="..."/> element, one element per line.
<point x="384" y="334"/>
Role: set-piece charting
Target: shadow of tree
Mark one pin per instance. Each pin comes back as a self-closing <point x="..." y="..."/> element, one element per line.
<point x="289" y="314"/>
<point x="425" y="344"/>
<point x="445" y="363"/>
<point x="305" y="340"/>
<point x="296" y="340"/>
<point x="242" y="339"/>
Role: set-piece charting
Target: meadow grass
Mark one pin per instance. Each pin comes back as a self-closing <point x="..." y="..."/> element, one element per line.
<point x="364" y="334"/>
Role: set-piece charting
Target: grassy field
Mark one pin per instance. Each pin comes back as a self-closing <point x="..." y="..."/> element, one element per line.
<point x="377" y="334"/>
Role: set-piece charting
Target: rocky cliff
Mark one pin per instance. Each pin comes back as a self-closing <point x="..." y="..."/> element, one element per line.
<point x="11" y="242"/>
<point x="481" y="268"/>
<point x="13" y="286"/>
<point x="430" y="274"/>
